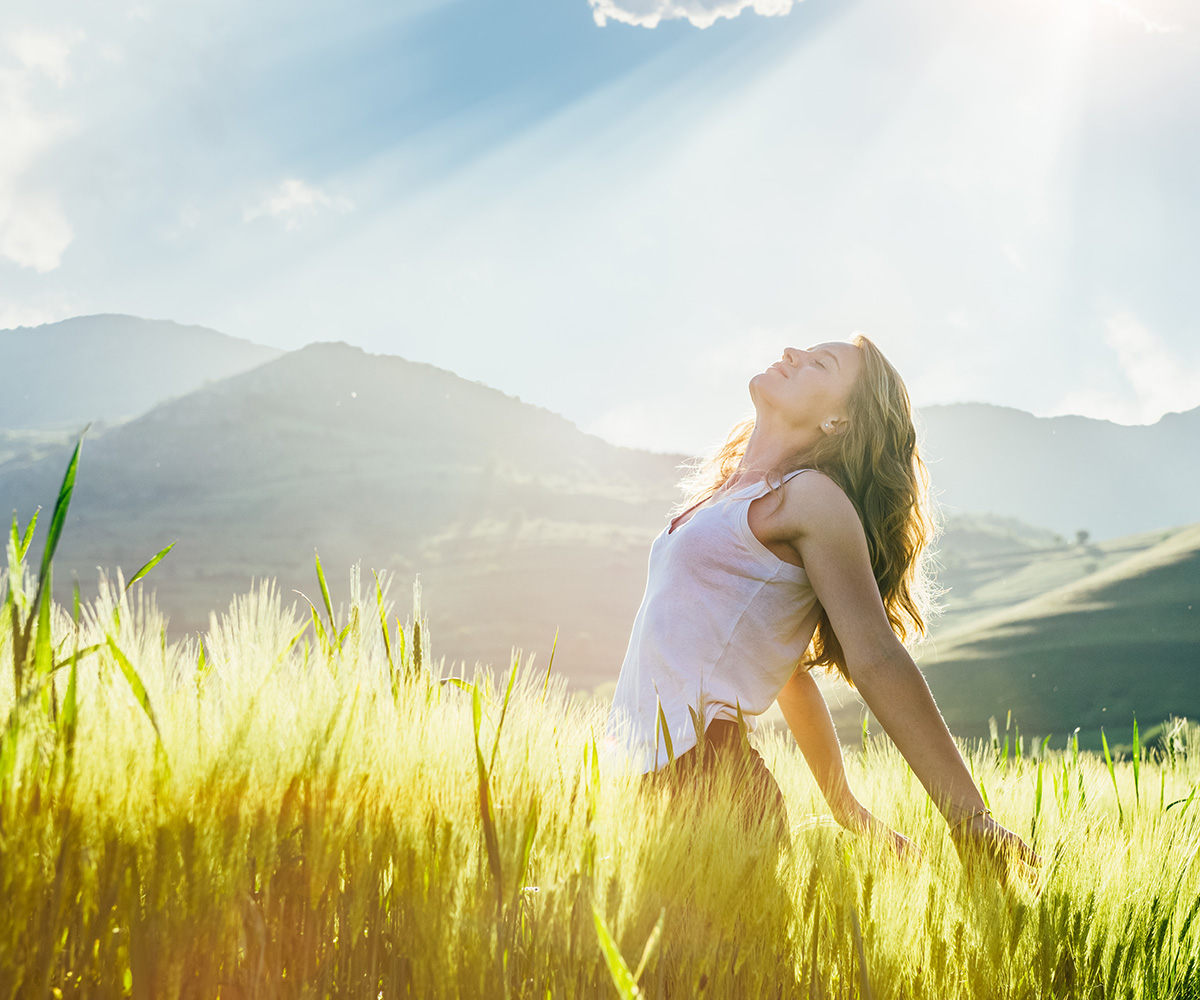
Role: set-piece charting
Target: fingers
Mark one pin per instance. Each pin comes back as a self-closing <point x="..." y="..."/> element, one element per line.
<point x="905" y="849"/>
<point x="1020" y="851"/>
<point x="1003" y="852"/>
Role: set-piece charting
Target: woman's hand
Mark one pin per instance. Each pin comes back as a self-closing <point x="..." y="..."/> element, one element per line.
<point x="859" y="819"/>
<point x="979" y="838"/>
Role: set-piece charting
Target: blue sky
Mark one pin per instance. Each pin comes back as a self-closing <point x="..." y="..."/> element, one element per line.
<point x="618" y="221"/>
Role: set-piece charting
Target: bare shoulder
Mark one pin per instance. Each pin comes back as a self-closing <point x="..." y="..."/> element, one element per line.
<point x="814" y="502"/>
<point x="810" y="504"/>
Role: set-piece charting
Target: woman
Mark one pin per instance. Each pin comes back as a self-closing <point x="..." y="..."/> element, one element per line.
<point x="799" y="547"/>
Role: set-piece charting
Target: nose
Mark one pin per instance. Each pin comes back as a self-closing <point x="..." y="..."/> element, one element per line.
<point x="792" y="355"/>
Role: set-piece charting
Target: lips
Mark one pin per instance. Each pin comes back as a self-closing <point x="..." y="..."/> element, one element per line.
<point x="778" y="366"/>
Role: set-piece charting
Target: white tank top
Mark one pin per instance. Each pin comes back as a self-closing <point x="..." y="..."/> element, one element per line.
<point x="723" y="623"/>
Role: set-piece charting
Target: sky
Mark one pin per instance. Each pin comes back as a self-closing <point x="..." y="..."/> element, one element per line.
<point x="623" y="209"/>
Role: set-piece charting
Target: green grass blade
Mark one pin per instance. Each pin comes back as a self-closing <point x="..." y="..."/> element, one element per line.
<point x="487" y="811"/>
<point x="1137" y="760"/>
<point x="546" y="681"/>
<point x="401" y="649"/>
<point x="149" y="566"/>
<point x="57" y="520"/>
<point x="43" y="653"/>
<point x="1112" y="773"/>
<point x="1184" y="802"/>
<point x="59" y="517"/>
<point x="665" y="730"/>
<point x="512" y="679"/>
<point x="651" y="944"/>
<point x="1037" y="800"/>
<point x="22" y="546"/>
<point x="318" y="628"/>
<point x="622" y="978"/>
<point x="325" y="595"/>
<point x="288" y="647"/>
<point x="138" y="688"/>
<point x="387" y="639"/>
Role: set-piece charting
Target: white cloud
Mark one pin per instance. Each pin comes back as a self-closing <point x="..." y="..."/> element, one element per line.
<point x="35" y="233"/>
<point x="1157" y="380"/>
<point x="293" y="202"/>
<point x="701" y="13"/>
<point x="44" y="51"/>
<point x="33" y="230"/>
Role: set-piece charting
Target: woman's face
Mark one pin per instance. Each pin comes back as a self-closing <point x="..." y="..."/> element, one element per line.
<point x="806" y="391"/>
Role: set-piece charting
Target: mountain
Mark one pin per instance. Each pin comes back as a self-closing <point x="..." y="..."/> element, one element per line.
<point x="107" y="368"/>
<point x="1063" y="635"/>
<point x="1067" y="473"/>
<point x="517" y="522"/>
<point x="1120" y="641"/>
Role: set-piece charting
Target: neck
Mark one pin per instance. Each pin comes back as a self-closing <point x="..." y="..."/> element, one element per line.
<point x="767" y="448"/>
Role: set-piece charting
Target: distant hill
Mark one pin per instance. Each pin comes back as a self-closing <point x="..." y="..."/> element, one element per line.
<point x="1122" y="640"/>
<point x="1104" y="632"/>
<point x="107" y="368"/>
<point x="1067" y="473"/>
<point x="517" y="522"/>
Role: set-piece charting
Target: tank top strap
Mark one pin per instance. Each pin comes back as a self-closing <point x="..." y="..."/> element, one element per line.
<point x="761" y="488"/>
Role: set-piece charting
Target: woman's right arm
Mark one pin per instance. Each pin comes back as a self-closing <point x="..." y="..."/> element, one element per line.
<point x="808" y="718"/>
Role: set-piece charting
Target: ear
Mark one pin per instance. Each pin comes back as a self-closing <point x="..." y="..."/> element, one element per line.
<point x="834" y="426"/>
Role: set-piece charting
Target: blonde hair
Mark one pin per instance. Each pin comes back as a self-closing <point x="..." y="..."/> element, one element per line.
<point x="876" y="463"/>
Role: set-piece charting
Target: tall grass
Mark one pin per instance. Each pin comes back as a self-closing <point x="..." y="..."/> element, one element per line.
<point x="271" y="811"/>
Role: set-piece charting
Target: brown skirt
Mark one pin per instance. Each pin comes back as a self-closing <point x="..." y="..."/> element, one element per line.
<point x="758" y="795"/>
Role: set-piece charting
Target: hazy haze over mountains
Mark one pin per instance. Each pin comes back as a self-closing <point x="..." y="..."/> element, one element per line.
<point x="517" y="522"/>
<point x="1065" y="473"/>
<point x="67" y="374"/>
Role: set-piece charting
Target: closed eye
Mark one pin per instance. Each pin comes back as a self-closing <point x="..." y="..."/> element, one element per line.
<point x="829" y="356"/>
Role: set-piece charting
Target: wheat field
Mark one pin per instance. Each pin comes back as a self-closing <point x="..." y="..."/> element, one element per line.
<point x="303" y="802"/>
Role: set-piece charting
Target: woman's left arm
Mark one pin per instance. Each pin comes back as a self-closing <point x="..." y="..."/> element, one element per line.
<point x="827" y="534"/>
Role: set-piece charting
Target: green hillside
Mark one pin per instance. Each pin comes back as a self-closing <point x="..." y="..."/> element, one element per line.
<point x="1122" y="640"/>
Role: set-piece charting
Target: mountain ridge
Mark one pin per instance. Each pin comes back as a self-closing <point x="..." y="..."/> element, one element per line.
<point x="109" y="367"/>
